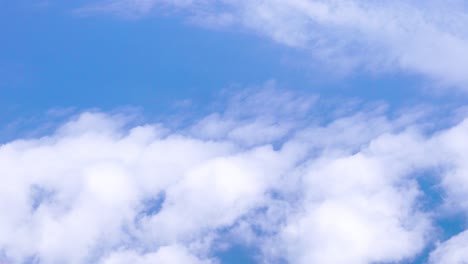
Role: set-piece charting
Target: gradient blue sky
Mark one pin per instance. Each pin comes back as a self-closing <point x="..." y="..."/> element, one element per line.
<point x="163" y="64"/>
<point x="52" y="57"/>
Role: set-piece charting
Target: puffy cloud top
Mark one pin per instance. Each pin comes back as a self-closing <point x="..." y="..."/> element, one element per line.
<point x="294" y="187"/>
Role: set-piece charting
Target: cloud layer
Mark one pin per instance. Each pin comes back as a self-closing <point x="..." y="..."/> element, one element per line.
<point x="427" y="38"/>
<point x="286" y="177"/>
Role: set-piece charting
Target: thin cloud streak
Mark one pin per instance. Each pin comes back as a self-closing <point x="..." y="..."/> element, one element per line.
<point x="424" y="38"/>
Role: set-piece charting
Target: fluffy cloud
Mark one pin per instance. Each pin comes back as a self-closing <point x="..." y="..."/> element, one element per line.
<point x="172" y="254"/>
<point x="427" y="38"/>
<point x="455" y="250"/>
<point x="342" y="189"/>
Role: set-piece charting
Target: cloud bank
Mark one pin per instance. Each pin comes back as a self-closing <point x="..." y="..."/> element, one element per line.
<point x="427" y="38"/>
<point x="273" y="171"/>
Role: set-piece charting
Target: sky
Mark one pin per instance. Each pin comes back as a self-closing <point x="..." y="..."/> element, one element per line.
<point x="233" y="131"/>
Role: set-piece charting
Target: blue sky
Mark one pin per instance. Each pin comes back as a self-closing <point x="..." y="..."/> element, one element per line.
<point x="54" y="58"/>
<point x="276" y="132"/>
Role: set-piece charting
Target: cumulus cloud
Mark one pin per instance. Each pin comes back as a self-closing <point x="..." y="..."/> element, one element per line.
<point x="171" y="254"/>
<point x="427" y="38"/>
<point x="455" y="250"/>
<point x="98" y="190"/>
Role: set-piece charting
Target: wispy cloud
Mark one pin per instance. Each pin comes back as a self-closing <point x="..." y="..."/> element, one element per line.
<point x="427" y="38"/>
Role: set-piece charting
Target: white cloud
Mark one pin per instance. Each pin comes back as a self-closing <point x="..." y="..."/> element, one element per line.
<point x="164" y="255"/>
<point x="360" y="205"/>
<point x="100" y="190"/>
<point x="453" y="251"/>
<point x="419" y="37"/>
